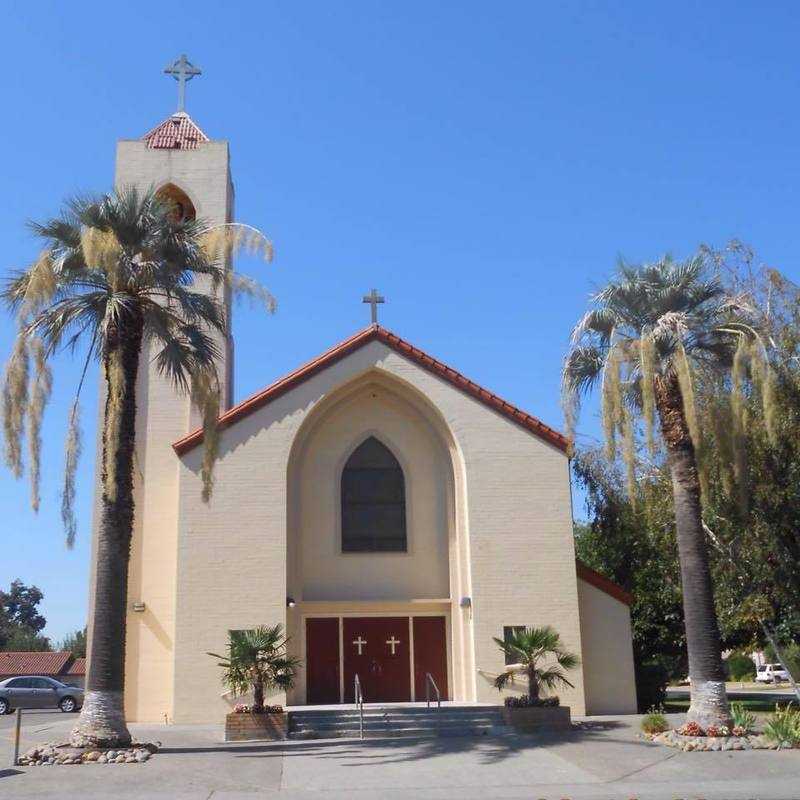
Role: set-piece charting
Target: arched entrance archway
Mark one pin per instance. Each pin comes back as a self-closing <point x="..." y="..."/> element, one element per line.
<point x="354" y="607"/>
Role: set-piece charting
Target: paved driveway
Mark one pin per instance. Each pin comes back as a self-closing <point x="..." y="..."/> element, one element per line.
<point x="603" y="759"/>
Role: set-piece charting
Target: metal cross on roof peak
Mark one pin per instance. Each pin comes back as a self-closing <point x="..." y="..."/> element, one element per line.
<point x="373" y="298"/>
<point x="182" y="70"/>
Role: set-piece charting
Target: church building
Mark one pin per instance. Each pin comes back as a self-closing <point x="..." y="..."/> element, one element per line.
<point x="391" y="513"/>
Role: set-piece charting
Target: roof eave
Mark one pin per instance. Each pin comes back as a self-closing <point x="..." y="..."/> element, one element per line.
<point x="363" y="337"/>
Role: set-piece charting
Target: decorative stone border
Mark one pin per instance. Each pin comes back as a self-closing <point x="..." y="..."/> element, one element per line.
<point x="754" y="741"/>
<point x="57" y="754"/>
<point x="248" y="727"/>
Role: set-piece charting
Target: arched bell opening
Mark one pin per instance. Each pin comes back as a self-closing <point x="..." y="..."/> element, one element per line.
<point x="181" y="208"/>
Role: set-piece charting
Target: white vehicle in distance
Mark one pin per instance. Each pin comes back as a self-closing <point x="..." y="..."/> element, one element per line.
<point x="771" y="673"/>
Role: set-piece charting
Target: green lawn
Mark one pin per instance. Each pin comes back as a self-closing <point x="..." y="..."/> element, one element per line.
<point x="760" y="704"/>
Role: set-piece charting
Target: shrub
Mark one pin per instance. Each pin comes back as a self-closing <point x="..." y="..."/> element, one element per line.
<point x="715" y="730"/>
<point x="651" y="684"/>
<point x="523" y="701"/>
<point x="654" y="722"/>
<point x="740" y="667"/>
<point x="784" y="727"/>
<point x="743" y="720"/>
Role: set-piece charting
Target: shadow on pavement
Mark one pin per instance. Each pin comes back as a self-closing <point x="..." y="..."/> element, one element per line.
<point x="489" y="749"/>
<point x="7" y="773"/>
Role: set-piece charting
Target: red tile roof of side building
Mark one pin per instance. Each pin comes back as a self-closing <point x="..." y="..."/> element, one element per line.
<point x="78" y="667"/>
<point x="177" y="132"/>
<point x="360" y="339"/>
<point x="586" y="573"/>
<point x="30" y="663"/>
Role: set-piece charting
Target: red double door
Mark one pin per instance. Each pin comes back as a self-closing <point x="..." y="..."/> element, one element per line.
<point x="378" y="650"/>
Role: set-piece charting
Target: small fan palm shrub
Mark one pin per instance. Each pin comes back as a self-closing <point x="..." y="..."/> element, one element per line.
<point x="533" y="651"/>
<point x="257" y="662"/>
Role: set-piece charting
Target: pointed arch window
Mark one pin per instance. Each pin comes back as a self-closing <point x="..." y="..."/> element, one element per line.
<point x="373" y="501"/>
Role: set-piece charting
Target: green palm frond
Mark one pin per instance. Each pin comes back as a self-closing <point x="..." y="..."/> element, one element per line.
<point x="120" y="259"/>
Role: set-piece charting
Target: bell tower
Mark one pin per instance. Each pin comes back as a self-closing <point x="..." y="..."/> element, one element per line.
<point x="192" y="172"/>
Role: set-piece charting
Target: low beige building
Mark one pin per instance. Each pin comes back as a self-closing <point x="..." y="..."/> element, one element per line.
<point x="391" y="513"/>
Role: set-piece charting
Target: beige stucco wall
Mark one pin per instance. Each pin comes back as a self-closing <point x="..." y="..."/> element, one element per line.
<point x="607" y="652"/>
<point x="511" y="548"/>
<point x="162" y="417"/>
<point x="323" y="571"/>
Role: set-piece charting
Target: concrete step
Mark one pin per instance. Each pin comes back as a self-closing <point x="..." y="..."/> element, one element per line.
<point x="394" y="721"/>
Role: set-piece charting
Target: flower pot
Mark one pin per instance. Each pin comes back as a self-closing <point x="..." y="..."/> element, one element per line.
<point x="538" y="718"/>
<point x="247" y="727"/>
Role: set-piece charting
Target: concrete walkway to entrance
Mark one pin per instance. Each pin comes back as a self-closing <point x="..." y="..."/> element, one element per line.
<point x="602" y="758"/>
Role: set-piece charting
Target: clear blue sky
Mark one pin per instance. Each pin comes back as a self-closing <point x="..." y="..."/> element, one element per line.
<point x="482" y="164"/>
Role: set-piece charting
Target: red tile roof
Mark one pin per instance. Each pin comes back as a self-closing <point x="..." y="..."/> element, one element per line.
<point x="364" y="337"/>
<point x="178" y="132"/>
<point x="602" y="583"/>
<point x="25" y="663"/>
<point x="78" y="667"/>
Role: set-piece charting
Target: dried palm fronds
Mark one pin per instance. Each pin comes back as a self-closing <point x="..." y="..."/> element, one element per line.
<point x="100" y="248"/>
<point x="647" y="367"/>
<point x="221" y="242"/>
<point x="629" y="454"/>
<point x="15" y="402"/>
<point x="739" y="420"/>
<point x="612" y="401"/>
<point x="206" y="397"/>
<point x="764" y="380"/>
<point x="40" y="393"/>
<point x="72" y="452"/>
<point x="40" y="284"/>
<point x="719" y="411"/>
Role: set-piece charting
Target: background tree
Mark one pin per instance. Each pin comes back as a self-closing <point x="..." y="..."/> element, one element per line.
<point x="650" y="334"/>
<point x="633" y="543"/>
<point x="117" y="272"/>
<point x="74" y="643"/>
<point x="21" y="622"/>
<point x="257" y="661"/>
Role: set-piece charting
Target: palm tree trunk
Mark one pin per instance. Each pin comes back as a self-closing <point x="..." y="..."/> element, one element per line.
<point x="258" y="696"/>
<point x="709" y="703"/>
<point x="102" y="719"/>
<point x="533" y="685"/>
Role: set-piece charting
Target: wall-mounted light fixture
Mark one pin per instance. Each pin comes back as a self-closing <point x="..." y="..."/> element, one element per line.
<point x="138" y="605"/>
<point x="290" y="603"/>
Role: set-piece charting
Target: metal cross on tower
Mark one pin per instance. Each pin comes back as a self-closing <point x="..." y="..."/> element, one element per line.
<point x="373" y="298"/>
<point x="182" y="70"/>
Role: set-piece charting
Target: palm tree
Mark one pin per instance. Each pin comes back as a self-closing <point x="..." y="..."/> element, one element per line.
<point x="647" y="333"/>
<point x="257" y="661"/>
<point x="530" y="648"/>
<point x="118" y="271"/>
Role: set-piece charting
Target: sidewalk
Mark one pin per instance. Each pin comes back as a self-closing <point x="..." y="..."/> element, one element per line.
<point x="602" y="759"/>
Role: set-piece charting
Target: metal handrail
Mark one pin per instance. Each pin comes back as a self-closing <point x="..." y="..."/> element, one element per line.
<point x="429" y="681"/>
<point x="358" y="696"/>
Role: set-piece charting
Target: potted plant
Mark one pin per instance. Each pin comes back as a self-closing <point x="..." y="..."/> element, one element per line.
<point x="533" y="651"/>
<point x="257" y="661"/>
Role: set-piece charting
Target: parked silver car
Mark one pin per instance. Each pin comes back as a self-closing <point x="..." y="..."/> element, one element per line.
<point x="33" y="691"/>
